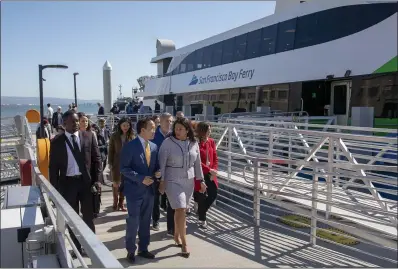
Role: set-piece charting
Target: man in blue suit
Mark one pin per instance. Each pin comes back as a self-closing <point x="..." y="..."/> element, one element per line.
<point x="139" y="168"/>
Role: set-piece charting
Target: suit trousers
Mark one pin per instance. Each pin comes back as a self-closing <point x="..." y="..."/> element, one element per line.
<point x="156" y="205"/>
<point x="139" y="210"/>
<point x="75" y="191"/>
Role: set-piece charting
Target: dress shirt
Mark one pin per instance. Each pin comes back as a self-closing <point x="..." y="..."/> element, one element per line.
<point x="73" y="168"/>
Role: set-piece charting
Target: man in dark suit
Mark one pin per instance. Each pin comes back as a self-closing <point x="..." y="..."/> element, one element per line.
<point x="139" y="168"/>
<point x="73" y="155"/>
<point x="57" y="118"/>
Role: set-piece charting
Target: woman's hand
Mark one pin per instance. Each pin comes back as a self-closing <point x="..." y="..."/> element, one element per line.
<point x="203" y="187"/>
<point x="162" y="187"/>
<point x="213" y="172"/>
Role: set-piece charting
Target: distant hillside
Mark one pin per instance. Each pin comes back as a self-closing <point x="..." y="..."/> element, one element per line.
<point x="13" y="100"/>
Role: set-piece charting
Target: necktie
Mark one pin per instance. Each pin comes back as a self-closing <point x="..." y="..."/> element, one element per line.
<point x="147" y="153"/>
<point x="74" y="142"/>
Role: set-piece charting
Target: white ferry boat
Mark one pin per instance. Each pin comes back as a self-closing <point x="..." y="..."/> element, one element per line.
<point x="323" y="57"/>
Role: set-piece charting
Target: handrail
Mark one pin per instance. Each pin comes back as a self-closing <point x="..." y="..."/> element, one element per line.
<point x="99" y="254"/>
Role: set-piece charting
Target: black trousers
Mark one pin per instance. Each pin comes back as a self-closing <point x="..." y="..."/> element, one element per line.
<point x="163" y="201"/>
<point x="170" y="217"/>
<point x="156" y="205"/>
<point x="78" y="191"/>
<point x="205" y="200"/>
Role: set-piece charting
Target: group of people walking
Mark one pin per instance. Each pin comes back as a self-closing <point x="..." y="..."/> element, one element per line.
<point x="161" y="165"/>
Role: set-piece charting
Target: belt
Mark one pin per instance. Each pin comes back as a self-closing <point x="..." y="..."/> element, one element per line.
<point x="74" y="177"/>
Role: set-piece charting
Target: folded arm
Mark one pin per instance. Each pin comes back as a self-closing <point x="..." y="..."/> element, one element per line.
<point x="126" y="165"/>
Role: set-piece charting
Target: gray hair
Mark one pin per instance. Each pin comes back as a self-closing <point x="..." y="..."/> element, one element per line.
<point x="165" y="115"/>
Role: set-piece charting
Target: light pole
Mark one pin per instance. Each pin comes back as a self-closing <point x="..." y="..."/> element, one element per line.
<point x="41" y="68"/>
<point x="74" y="82"/>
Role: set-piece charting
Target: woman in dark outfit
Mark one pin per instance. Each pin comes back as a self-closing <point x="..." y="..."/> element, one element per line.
<point x="209" y="162"/>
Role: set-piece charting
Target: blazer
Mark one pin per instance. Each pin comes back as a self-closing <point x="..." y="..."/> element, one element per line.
<point x="59" y="158"/>
<point x="55" y="122"/>
<point x="134" y="168"/>
<point x="178" y="163"/>
<point x="115" y="149"/>
<point x="209" y="160"/>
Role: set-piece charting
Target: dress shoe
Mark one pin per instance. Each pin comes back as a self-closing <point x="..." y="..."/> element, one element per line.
<point x="155" y="226"/>
<point x="131" y="257"/>
<point x="146" y="255"/>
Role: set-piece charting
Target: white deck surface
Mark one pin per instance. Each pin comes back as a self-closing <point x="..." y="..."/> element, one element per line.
<point x="228" y="242"/>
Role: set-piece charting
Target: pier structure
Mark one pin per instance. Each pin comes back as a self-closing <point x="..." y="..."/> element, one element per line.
<point x="292" y="194"/>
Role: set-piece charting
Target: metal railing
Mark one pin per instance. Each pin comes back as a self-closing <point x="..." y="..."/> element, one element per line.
<point x="320" y="172"/>
<point x="337" y="177"/>
<point x="264" y="182"/>
<point x="62" y="214"/>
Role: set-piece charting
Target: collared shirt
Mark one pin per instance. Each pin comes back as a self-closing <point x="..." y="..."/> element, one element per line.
<point x="73" y="168"/>
<point x="143" y="143"/>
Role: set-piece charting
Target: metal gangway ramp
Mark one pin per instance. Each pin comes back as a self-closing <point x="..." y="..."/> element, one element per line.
<point x="244" y="228"/>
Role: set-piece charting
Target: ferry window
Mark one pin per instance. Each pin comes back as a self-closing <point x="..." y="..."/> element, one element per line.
<point x="351" y="19"/>
<point x="268" y="38"/>
<point x="199" y="59"/>
<point x="228" y="51"/>
<point x="272" y="95"/>
<point x="176" y="71"/>
<point x="282" y="95"/>
<point x="183" y="66"/>
<point x="191" y="61"/>
<point x="251" y="95"/>
<point x="240" y="48"/>
<point x="223" y="97"/>
<point x="373" y="92"/>
<point x="253" y="44"/>
<point x="217" y="54"/>
<point x="207" y="53"/>
<point x="286" y="35"/>
<point x="307" y="31"/>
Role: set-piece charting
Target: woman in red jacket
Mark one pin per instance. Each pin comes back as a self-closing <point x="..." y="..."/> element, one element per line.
<point x="209" y="159"/>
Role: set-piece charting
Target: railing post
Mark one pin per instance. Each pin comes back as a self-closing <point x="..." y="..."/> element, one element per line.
<point x="330" y="177"/>
<point x="229" y="150"/>
<point x="270" y="154"/>
<point x="61" y="225"/>
<point x="314" y="208"/>
<point x="256" y="196"/>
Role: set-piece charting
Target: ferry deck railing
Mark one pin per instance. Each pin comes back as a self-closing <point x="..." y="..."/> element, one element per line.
<point x="61" y="215"/>
<point x="325" y="175"/>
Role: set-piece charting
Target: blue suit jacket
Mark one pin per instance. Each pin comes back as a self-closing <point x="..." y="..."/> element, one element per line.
<point x="134" y="168"/>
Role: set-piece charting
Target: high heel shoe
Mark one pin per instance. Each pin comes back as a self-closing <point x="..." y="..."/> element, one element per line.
<point x="176" y="243"/>
<point x="185" y="254"/>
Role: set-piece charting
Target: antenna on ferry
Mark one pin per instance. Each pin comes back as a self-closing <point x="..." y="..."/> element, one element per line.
<point x="120" y="89"/>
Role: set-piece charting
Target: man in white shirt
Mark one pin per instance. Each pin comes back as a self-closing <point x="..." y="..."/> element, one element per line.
<point x="75" y="169"/>
<point x="50" y="112"/>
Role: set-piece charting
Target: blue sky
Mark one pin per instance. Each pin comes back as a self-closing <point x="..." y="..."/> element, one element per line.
<point x="83" y="35"/>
